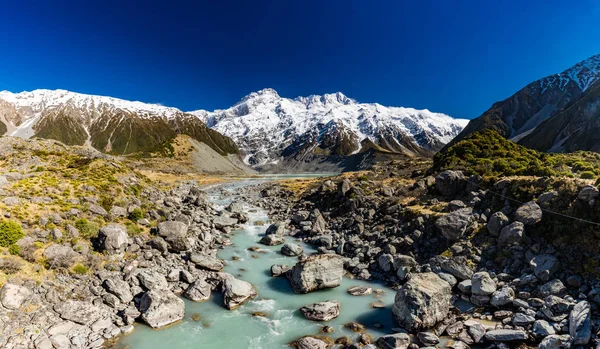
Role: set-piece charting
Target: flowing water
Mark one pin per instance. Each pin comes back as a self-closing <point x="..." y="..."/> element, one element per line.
<point x="210" y="325"/>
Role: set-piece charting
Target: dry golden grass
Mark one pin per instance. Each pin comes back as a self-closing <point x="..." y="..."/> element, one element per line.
<point x="299" y="186"/>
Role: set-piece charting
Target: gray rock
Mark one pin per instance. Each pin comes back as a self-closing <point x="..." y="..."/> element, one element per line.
<point x="556" y="342"/>
<point x="235" y="291"/>
<point x="529" y="213"/>
<point x="547" y="198"/>
<point x="360" y="290"/>
<point x="97" y="210"/>
<point x="118" y="211"/>
<point x="175" y="234"/>
<point x="319" y="225"/>
<point x="496" y="222"/>
<point x="482" y="284"/>
<point x="60" y="255"/>
<point x="152" y="280"/>
<point x="556" y="309"/>
<point x="541" y="328"/>
<point x="11" y="201"/>
<point x="394" y="341"/>
<point x="422" y="302"/>
<point x="544" y="266"/>
<point x="511" y="234"/>
<point x="465" y="287"/>
<point x="450" y="279"/>
<point x="454" y="225"/>
<point x="113" y="238"/>
<point x="279" y="269"/>
<point x="588" y="193"/>
<point x="310" y="343"/>
<point x="80" y="312"/>
<point x="503" y="335"/>
<point x="291" y="250"/>
<point x="522" y="320"/>
<point x="206" y="262"/>
<point x="277" y="228"/>
<point x="272" y="240"/>
<point x="198" y="291"/>
<point x="386" y="262"/>
<point x="554" y="287"/>
<point x="119" y="288"/>
<point x="457" y="266"/>
<point x="428" y="338"/>
<point x="221" y="222"/>
<point x="161" y="308"/>
<point x="580" y="327"/>
<point x="322" y="311"/>
<point x="475" y="329"/>
<point x="503" y="297"/>
<point x="317" y="272"/>
<point x="13" y="296"/>
<point x="450" y="183"/>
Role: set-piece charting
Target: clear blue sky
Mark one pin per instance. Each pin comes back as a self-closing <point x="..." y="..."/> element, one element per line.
<point x="451" y="56"/>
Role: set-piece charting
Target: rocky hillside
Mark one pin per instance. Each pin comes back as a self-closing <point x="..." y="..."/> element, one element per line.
<point x="558" y="113"/>
<point x="108" y="124"/>
<point x="88" y="246"/>
<point x="476" y="261"/>
<point x="272" y="130"/>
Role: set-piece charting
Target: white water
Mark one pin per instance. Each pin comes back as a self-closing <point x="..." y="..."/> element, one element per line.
<point x="220" y="328"/>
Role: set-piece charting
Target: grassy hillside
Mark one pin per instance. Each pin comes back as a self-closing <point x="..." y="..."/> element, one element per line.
<point x="488" y="154"/>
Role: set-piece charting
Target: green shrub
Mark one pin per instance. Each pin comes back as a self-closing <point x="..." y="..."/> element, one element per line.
<point x="587" y="175"/>
<point x="80" y="269"/>
<point x="10" y="232"/>
<point x="107" y="202"/>
<point x="86" y="228"/>
<point x="132" y="229"/>
<point x="14" y="249"/>
<point x="136" y="214"/>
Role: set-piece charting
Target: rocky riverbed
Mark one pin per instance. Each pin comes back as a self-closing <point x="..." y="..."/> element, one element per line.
<point x="474" y="265"/>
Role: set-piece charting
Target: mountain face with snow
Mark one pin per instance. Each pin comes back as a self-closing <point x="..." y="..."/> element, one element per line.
<point x="270" y="129"/>
<point x="108" y="124"/>
<point x="557" y="113"/>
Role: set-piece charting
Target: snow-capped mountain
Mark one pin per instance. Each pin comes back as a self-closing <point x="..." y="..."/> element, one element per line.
<point x="108" y="124"/>
<point x="269" y="128"/>
<point x="557" y="113"/>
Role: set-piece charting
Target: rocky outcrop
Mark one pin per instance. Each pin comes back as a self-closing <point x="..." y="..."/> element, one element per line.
<point x="422" y="302"/>
<point x="317" y="272"/>
<point x="113" y="238"/>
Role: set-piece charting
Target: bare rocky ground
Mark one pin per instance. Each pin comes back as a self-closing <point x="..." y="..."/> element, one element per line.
<point x="504" y="263"/>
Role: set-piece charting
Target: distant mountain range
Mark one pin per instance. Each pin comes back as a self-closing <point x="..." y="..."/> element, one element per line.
<point x="558" y="113"/>
<point x="271" y="131"/>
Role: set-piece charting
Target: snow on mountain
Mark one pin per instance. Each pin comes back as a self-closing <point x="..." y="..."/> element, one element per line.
<point x="583" y="74"/>
<point x="38" y="100"/>
<point x="263" y="124"/>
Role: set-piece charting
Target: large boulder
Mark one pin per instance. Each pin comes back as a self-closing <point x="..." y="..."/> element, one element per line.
<point x="544" y="266"/>
<point x="198" y="291"/>
<point x="317" y="272"/>
<point x="161" y="308"/>
<point x="422" y="302"/>
<point x="221" y="222"/>
<point x="206" y="262"/>
<point x="119" y="288"/>
<point x="152" y="280"/>
<point x="482" y="284"/>
<point x="175" y="234"/>
<point x="272" y="240"/>
<point x="394" y="341"/>
<point x="235" y="291"/>
<point x="80" y="312"/>
<point x="458" y="267"/>
<point x="454" y="225"/>
<point x="450" y="183"/>
<point x="529" y="213"/>
<point x="277" y="228"/>
<point x="310" y="343"/>
<point x="556" y="341"/>
<point x="322" y="311"/>
<point x="58" y="255"/>
<point x="13" y="296"/>
<point x="496" y="222"/>
<point x="511" y="234"/>
<point x="503" y="335"/>
<point x="580" y="327"/>
<point x="589" y="193"/>
<point x="113" y="238"/>
<point x="291" y="250"/>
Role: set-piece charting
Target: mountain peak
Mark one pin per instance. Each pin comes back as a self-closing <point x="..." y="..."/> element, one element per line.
<point x="265" y="92"/>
